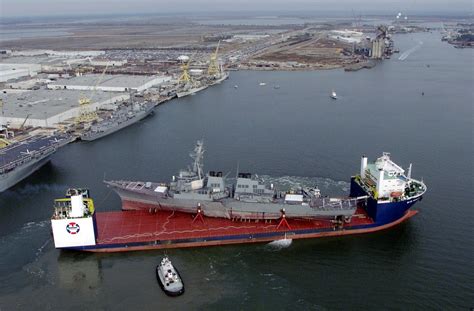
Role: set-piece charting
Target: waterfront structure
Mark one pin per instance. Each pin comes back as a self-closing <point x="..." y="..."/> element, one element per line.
<point x="15" y="71"/>
<point x="48" y="108"/>
<point x="378" y="48"/>
<point x="109" y="83"/>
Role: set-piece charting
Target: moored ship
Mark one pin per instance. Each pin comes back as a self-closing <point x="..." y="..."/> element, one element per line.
<point x="124" y="116"/>
<point x="191" y="90"/>
<point x="21" y="159"/>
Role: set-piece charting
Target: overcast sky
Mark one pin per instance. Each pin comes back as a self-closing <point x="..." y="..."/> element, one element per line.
<point x="12" y="8"/>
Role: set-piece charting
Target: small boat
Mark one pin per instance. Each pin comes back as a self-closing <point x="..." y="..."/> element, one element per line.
<point x="333" y="94"/>
<point x="262" y="84"/>
<point x="169" y="278"/>
<point x="276" y="87"/>
<point x="236" y="86"/>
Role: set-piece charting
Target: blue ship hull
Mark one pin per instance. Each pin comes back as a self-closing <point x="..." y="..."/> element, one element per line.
<point x="382" y="213"/>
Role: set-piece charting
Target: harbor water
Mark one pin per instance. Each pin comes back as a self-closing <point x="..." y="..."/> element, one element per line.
<point x="295" y="134"/>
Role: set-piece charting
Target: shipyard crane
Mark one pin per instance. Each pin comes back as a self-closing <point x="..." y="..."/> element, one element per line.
<point x="185" y="78"/>
<point x="214" y="69"/>
<point x="24" y="121"/>
<point x="85" y="114"/>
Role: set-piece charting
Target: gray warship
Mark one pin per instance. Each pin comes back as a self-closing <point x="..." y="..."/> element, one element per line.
<point x="124" y="116"/>
<point x="248" y="198"/>
<point x="191" y="90"/>
<point x="21" y="159"/>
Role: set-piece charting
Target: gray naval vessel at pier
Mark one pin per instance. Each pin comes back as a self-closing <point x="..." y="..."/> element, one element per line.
<point x="20" y="159"/>
<point x="193" y="89"/>
<point x="124" y="116"/>
<point x="248" y="198"/>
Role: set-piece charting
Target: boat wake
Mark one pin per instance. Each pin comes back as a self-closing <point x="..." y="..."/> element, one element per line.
<point x="280" y="244"/>
<point x="407" y="53"/>
<point x="32" y="236"/>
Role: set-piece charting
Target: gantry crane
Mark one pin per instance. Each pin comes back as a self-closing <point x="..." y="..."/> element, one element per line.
<point x="86" y="114"/>
<point x="185" y="78"/>
<point x="214" y="68"/>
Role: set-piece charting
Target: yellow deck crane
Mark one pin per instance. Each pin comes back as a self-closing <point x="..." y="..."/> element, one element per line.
<point x="86" y="114"/>
<point x="214" y="68"/>
<point x="184" y="78"/>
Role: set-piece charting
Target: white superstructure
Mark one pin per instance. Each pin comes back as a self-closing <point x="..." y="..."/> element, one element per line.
<point x="385" y="177"/>
<point x="73" y="220"/>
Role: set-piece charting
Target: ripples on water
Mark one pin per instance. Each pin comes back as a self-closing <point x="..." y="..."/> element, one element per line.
<point x="424" y="263"/>
<point x="407" y="53"/>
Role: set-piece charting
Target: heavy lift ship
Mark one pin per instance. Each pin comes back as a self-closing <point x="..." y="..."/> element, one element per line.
<point x="77" y="225"/>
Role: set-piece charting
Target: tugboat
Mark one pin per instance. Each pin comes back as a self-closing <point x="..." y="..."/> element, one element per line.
<point x="169" y="278"/>
<point x="333" y="95"/>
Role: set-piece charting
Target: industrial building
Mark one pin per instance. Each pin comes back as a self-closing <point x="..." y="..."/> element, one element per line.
<point x="47" y="108"/>
<point x="94" y="53"/>
<point x="347" y="36"/>
<point x="15" y="71"/>
<point x="378" y="48"/>
<point x="109" y="83"/>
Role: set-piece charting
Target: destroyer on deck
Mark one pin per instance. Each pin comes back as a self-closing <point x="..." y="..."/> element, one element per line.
<point x="248" y="198"/>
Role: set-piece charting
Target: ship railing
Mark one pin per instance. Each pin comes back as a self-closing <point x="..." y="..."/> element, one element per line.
<point x="342" y="204"/>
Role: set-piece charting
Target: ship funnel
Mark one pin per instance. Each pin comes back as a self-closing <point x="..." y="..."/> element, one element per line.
<point x="363" y="166"/>
<point x="77" y="207"/>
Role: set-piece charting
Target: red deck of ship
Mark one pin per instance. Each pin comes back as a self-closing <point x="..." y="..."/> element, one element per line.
<point x="124" y="227"/>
